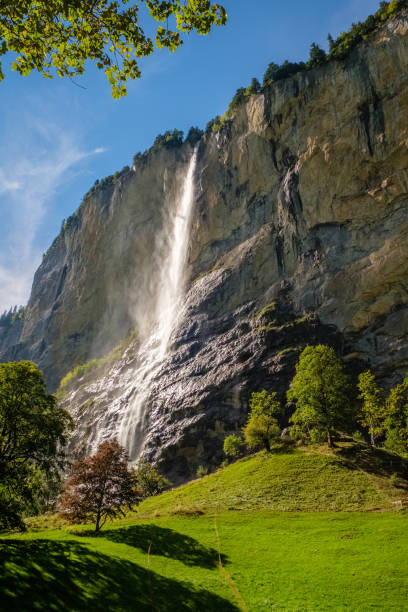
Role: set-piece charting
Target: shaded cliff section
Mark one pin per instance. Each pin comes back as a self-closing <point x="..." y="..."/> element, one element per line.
<point x="300" y="235"/>
<point x="96" y="281"/>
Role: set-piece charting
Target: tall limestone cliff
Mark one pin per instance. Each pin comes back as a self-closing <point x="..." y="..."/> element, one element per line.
<point x="299" y="235"/>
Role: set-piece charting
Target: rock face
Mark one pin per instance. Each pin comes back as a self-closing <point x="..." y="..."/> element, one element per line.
<point x="301" y="207"/>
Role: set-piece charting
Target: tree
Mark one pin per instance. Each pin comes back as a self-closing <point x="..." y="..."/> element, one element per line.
<point x="253" y="88"/>
<point x="170" y="139"/>
<point x="262" y="429"/>
<point x="233" y="446"/>
<point x="270" y="73"/>
<point x="396" y="422"/>
<point x="194" y="135"/>
<point x="147" y="479"/>
<point x="317" y="56"/>
<point x="99" y="487"/>
<point x="331" y="41"/>
<point x="372" y="411"/>
<point x="58" y="36"/>
<point x="321" y="389"/>
<point x="33" y="432"/>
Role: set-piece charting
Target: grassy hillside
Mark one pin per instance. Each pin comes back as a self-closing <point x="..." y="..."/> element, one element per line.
<point x="354" y="477"/>
<point x="229" y="542"/>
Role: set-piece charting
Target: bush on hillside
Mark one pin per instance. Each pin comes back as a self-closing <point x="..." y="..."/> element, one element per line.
<point x="147" y="479"/>
<point x="233" y="446"/>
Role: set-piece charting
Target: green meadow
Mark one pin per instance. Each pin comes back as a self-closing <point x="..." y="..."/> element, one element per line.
<point x="301" y="531"/>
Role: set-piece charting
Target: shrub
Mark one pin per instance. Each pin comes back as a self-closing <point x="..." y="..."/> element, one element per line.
<point x="233" y="446"/>
<point x="358" y="436"/>
<point x="201" y="471"/>
<point x="147" y="479"/>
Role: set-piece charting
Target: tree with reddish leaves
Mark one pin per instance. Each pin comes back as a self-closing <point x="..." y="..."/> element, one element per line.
<point x="100" y="487"/>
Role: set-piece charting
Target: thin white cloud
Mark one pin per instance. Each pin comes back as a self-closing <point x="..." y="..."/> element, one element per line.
<point x="30" y="175"/>
<point x="6" y="184"/>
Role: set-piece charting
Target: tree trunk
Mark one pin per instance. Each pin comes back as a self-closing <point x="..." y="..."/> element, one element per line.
<point x="329" y="439"/>
<point x="372" y="439"/>
<point x="267" y="445"/>
<point x="98" y="518"/>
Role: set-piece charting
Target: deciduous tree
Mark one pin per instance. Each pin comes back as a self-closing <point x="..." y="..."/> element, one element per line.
<point x="100" y="487"/>
<point x="396" y="422"/>
<point x="372" y="410"/>
<point x="321" y="391"/>
<point x="60" y="35"/>
<point x="33" y="432"/>
<point x="262" y="429"/>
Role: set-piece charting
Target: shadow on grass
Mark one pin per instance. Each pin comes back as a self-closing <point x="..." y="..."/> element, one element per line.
<point x="47" y="575"/>
<point x="162" y="542"/>
<point x="376" y="461"/>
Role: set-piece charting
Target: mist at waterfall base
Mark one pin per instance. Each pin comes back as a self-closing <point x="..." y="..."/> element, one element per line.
<point x="167" y="309"/>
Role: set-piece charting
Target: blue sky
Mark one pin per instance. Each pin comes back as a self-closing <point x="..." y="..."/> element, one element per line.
<point x="57" y="138"/>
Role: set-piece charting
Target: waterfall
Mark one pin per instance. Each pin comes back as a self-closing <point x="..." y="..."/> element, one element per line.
<point x="168" y="305"/>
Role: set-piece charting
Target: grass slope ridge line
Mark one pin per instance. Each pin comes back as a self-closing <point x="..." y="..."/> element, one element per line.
<point x="226" y="575"/>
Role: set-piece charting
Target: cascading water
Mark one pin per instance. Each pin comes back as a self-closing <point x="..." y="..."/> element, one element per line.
<point x="170" y="293"/>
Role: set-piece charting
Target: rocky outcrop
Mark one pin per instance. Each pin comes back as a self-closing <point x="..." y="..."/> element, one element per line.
<point x="301" y="206"/>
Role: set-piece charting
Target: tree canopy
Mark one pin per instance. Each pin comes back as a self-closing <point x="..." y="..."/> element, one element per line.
<point x="100" y="486"/>
<point x="262" y="429"/>
<point x="396" y="422"/>
<point x="33" y="432"/>
<point x="372" y="411"/>
<point x="322" y="392"/>
<point x="58" y="36"/>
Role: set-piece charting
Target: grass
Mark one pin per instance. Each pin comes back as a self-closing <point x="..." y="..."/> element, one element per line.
<point x="96" y="367"/>
<point x="293" y="531"/>
<point x="269" y="561"/>
<point x="314" y="480"/>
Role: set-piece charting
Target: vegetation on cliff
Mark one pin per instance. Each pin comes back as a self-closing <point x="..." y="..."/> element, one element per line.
<point x="95" y="368"/>
<point x="12" y="316"/>
<point x="339" y="49"/>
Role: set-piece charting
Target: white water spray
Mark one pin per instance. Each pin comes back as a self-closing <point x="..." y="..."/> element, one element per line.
<point x="168" y="306"/>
